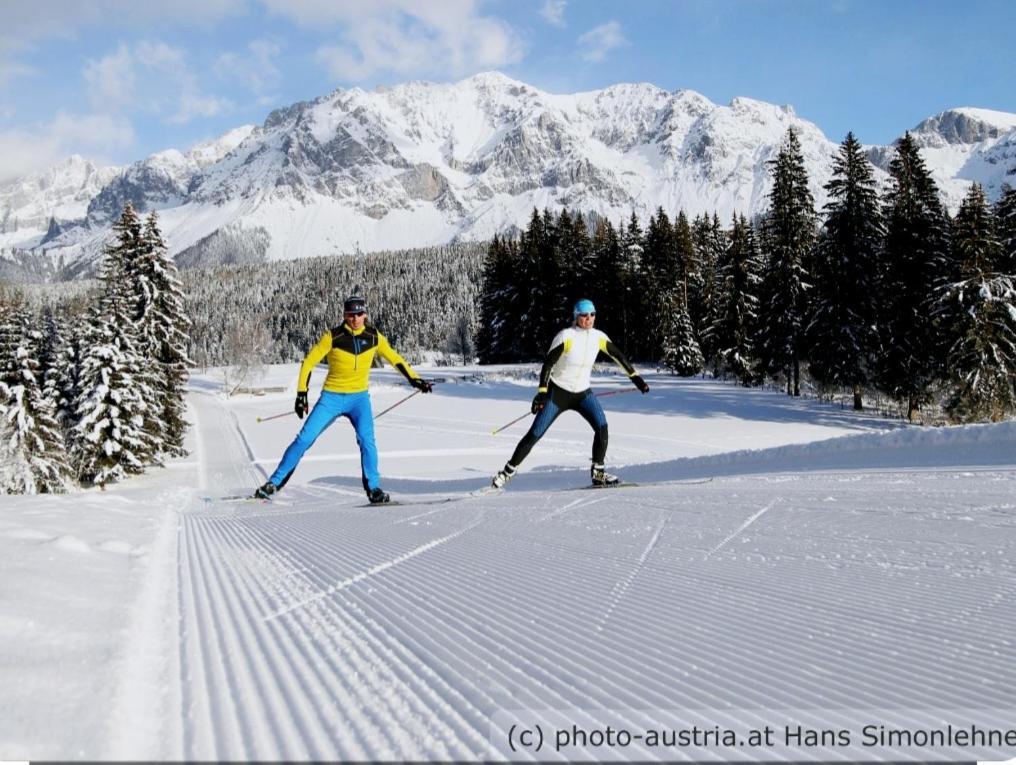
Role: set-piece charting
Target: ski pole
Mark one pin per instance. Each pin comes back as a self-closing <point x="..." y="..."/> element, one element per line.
<point x="505" y="427"/>
<point x="597" y="395"/>
<point x="397" y="403"/>
<point x="274" y="416"/>
<point x="616" y="392"/>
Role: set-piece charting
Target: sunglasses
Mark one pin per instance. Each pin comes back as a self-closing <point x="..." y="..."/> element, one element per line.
<point x="587" y="315"/>
<point x="356" y="313"/>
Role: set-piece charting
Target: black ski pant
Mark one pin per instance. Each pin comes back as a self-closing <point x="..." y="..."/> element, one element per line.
<point x="560" y="400"/>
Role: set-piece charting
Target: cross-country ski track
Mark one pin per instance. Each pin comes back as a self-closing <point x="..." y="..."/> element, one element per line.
<point x="325" y="630"/>
<point x="869" y="571"/>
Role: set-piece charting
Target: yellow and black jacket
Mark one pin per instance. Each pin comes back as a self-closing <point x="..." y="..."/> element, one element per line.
<point x="350" y="356"/>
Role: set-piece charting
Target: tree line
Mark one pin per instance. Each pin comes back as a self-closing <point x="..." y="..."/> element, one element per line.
<point x="94" y="391"/>
<point x="418" y="298"/>
<point x="882" y="290"/>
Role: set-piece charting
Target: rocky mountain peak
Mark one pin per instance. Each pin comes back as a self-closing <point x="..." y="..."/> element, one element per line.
<point x="963" y="126"/>
<point x="425" y="163"/>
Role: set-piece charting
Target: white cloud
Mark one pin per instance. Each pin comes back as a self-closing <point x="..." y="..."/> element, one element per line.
<point x="35" y="20"/>
<point x="98" y="136"/>
<point x="405" y="37"/>
<point x="111" y="81"/>
<point x="95" y="134"/>
<point x="150" y="77"/>
<point x="553" y="11"/>
<point x="26" y="22"/>
<point x="193" y="105"/>
<point x="600" y="41"/>
<point x="254" y="68"/>
<point x="11" y="69"/>
<point x="21" y="153"/>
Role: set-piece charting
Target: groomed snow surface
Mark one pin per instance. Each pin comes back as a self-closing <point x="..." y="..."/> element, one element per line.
<point x="836" y="564"/>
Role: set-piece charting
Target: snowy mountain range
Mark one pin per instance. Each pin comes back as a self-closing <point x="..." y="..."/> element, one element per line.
<point x="421" y="164"/>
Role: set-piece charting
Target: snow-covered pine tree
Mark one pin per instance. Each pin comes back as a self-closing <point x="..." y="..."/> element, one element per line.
<point x="1005" y="225"/>
<point x="659" y="277"/>
<point x="62" y="377"/>
<point x="700" y="267"/>
<point x="114" y="398"/>
<point x="710" y="295"/>
<point x="790" y="234"/>
<point x="684" y="243"/>
<point x="548" y="288"/>
<point x="32" y="451"/>
<point x="739" y="275"/>
<point x="13" y="321"/>
<point x="708" y="243"/>
<point x="575" y="261"/>
<point x="607" y="291"/>
<point x="914" y="265"/>
<point x="629" y="285"/>
<point x="979" y="313"/>
<point x="841" y="335"/>
<point x="681" y="352"/>
<point x="535" y="280"/>
<point x="46" y="352"/>
<point x="162" y="324"/>
<point x="13" y="324"/>
<point x="135" y="253"/>
<point x="498" y="304"/>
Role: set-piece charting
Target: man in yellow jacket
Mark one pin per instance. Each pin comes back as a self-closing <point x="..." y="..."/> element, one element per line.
<point x="350" y="350"/>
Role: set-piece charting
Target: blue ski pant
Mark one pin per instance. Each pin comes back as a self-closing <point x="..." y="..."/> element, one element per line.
<point x="560" y="400"/>
<point x="329" y="407"/>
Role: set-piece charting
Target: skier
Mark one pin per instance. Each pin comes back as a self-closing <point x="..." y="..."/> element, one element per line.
<point x="564" y="384"/>
<point x="350" y="349"/>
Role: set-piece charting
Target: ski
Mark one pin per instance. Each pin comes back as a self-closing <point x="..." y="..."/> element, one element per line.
<point x="238" y="498"/>
<point x="486" y="491"/>
<point x="411" y="503"/>
<point x="632" y="484"/>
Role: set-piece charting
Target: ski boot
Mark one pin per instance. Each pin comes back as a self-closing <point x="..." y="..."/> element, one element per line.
<point x="601" y="477"/>
<point x="266" y="491"/>
<point x="377" y="497"/>
<point x="503" y="476"/>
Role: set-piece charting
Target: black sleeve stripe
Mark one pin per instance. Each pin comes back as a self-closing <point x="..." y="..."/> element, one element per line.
<point x="615" y="353"/>
<point x="548" y="364"/>
<point x="405" y="372"/>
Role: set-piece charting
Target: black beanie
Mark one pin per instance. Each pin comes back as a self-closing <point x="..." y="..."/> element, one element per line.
<point x="354" y="304"/>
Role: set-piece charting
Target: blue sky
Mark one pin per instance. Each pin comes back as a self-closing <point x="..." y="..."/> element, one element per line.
<point x="116" y="80"/>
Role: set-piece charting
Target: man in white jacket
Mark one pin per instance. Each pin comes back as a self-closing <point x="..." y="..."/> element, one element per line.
<point x="564" y="384"/>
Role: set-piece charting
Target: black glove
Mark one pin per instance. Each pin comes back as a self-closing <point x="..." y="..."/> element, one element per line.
<point x="424" y="386"/>
<point x="539" y="401"/>
<point x="300" y="407"/>
<point x="639" y="383"/>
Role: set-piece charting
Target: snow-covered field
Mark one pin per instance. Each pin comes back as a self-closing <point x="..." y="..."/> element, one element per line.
<point x="838" y="571"/>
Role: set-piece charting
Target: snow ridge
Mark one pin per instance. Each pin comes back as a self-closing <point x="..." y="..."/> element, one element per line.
<point x="420" y="164"/>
